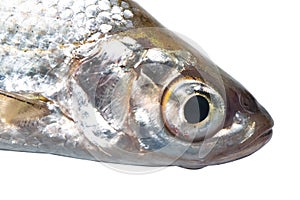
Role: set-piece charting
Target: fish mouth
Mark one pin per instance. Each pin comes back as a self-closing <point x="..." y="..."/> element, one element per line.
<point x="255" y="144"/>
<point x="244" y="151"/>
<point x="262" y="136"/>
<point x="265" y="137"/>
<point x="258" y="142"/>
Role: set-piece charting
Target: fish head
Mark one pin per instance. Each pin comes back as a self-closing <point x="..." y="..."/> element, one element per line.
<point x="158" y="101"/>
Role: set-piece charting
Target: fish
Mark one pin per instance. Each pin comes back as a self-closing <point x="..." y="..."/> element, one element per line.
<point x="103" y="80"/>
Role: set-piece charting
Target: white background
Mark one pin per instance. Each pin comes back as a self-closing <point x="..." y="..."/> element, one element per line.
<point x="258" y="43"/>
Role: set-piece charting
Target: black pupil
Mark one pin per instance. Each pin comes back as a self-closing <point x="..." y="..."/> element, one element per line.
<point x="196" y="109"/>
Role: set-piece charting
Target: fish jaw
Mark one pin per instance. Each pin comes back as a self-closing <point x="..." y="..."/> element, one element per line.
<point x="251" y="143"/>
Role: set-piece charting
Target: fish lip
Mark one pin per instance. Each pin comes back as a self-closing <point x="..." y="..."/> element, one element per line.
<point x="246" y="150"/>
<point x="256" y="144"/>
<point x="267" y="135"/>
<point x="261" y="140"/>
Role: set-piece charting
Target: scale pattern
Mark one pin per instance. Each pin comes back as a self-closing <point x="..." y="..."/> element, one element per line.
<point x="38" y="36"/>
<point x="38" y="41"/>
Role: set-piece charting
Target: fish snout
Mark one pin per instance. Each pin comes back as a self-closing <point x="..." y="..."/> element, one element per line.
<point x="264" y="125"/>
<point x="240" y="100"/>
<point x="258" y="114"/>
<point x="263" y="121"/>
<point x="248" y="125"/>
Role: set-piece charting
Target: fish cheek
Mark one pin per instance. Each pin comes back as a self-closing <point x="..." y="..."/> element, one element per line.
<point x="112" y="98"/>
<point x="145" y="118"/>
<point x="107" y="90"/>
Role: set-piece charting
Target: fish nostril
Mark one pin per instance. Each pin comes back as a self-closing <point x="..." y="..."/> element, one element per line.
<point x="248" y="102"/>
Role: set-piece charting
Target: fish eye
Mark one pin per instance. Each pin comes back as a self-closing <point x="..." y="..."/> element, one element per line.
<point x="192" y="110"/>
<point x="196" y="109"/>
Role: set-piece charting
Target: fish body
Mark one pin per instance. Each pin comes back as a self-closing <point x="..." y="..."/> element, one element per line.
<point x="103" y="80"/>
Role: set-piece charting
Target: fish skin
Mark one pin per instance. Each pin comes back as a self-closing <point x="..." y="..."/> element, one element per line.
<point x="100" y="69"/>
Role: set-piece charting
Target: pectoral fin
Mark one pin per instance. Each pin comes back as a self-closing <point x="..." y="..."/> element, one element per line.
<point x="18" y="108"/>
